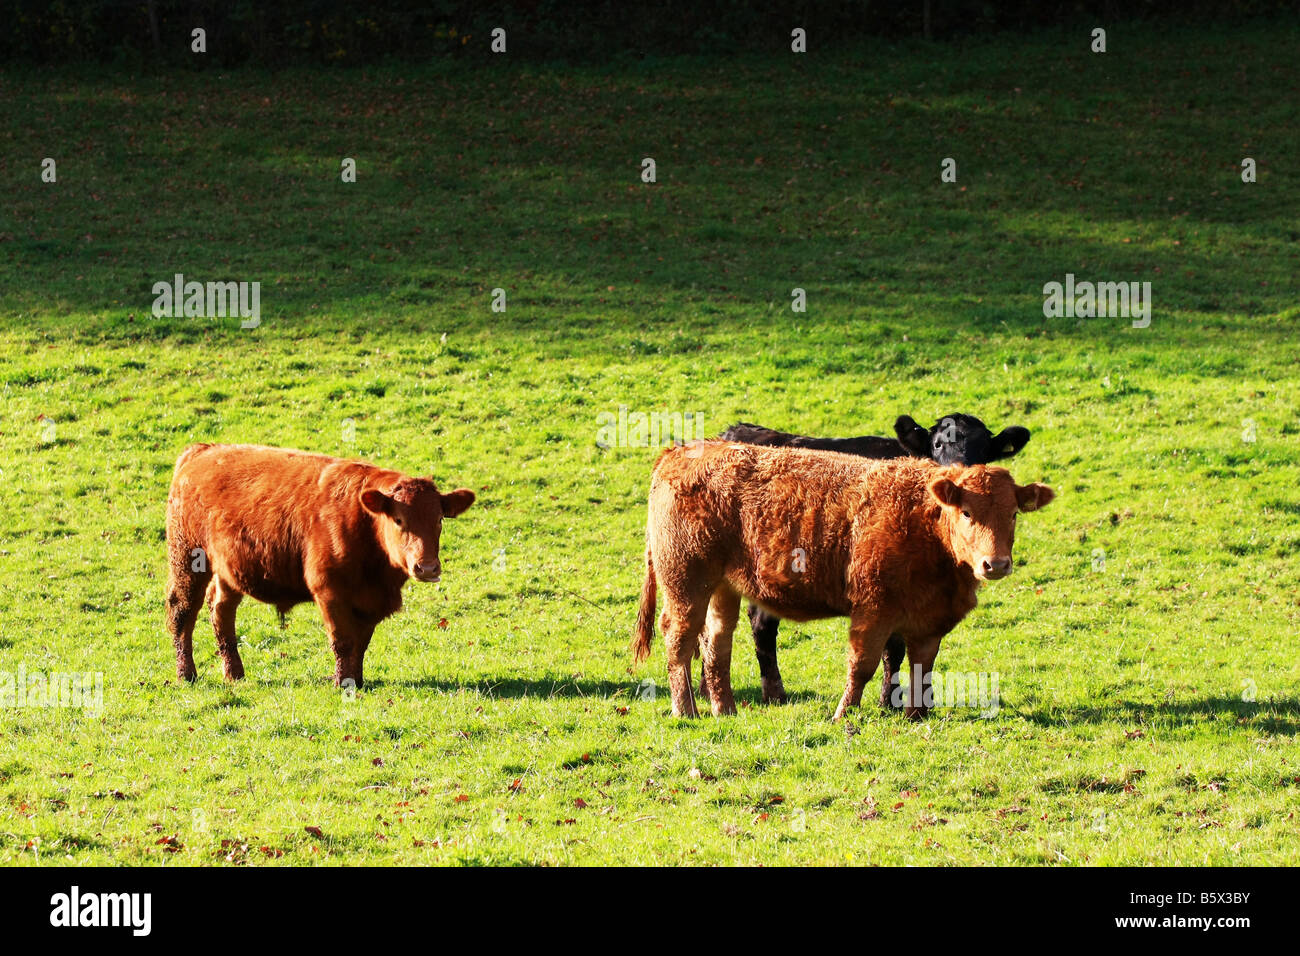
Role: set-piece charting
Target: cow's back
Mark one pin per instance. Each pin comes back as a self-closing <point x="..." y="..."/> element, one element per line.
<point x="744" y="481"/>
<point x="865" y="446"/>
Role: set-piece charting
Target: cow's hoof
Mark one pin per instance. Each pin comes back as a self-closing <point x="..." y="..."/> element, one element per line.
<point x="773" y="691"/>
<point x="916" y="713"/>
<point x="189" y="676"/>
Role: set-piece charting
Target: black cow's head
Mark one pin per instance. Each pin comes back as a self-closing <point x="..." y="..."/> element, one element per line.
<point x="959" y="440"/>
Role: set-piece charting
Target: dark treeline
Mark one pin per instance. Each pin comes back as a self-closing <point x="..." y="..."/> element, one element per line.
<point x="270" y="33"/>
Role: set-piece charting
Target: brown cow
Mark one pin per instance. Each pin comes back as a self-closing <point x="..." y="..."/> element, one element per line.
<point x="897" y="546"/>
<point x="286" y="527"/>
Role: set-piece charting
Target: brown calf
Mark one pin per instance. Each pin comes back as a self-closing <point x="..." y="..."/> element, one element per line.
<point x="286" y="527"/>
<point x="896" y="546"/>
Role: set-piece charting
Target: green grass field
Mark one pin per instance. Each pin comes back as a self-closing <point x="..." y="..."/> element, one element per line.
<point x="1145" y="648"/>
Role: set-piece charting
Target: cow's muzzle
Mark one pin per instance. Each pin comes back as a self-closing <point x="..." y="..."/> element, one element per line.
<point x="990" y="569"/>
<point x="428" y="573"/>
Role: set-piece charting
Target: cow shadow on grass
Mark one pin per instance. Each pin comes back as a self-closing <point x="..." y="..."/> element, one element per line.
<point x="546" y="687"/>
<point x="1276" y="715"/>
<point x="515" y="687"/>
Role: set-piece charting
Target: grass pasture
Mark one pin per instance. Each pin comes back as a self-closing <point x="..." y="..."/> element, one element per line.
<point x="1145" y="647"/>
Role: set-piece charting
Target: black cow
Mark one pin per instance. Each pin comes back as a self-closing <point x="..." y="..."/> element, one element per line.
<point x="954" y="440"/>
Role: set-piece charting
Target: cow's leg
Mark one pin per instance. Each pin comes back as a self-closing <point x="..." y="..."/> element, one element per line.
<point x="185" y="590"/>
<point x="359" y="645"/>
<point x="765" y="626"/>
<point x="921" y="653"/>
<point x="892" y="667"/>
<point x="703" y="689"/>
<point x="681" y="622"/>
<point x="724" y="610"/>
<point x="225" y="601"/>
<point x="867" y="637"/>
<point x="348" y="638"/>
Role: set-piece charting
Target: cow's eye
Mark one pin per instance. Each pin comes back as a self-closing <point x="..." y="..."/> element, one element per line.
<point x="398" y="522"/>
<point x="965" y="514"/>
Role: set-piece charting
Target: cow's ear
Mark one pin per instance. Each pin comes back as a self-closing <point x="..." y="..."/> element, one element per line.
<point x="1032" y="497"/>
<point x="1008" y="442"/>
<point x="946" y="491"/>
<point x="376" y="502"/>
<point x="912" y="436"/>
<point x="455" y="502"/>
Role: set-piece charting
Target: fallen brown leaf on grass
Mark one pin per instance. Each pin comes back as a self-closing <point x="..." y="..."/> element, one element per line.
<point x="170" y="844"/>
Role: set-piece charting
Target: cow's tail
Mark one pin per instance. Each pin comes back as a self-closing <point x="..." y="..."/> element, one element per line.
<point x="645" y="618"/>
